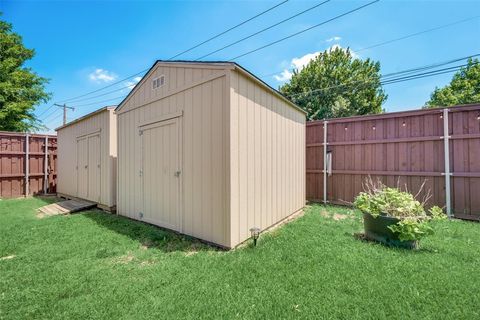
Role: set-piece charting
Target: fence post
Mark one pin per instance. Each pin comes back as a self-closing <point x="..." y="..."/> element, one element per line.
<point x="45" y="169"/>
<point x="27" y="165"/>
<point x="447" y="173"/>
<point x="325" y="162"/>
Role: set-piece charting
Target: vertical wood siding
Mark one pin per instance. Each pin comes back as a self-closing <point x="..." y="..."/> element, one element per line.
<point x="267" y="158"/>
<point x="67" y="155"/>
<point x="402" y="149"/>
<point x="12" y="164"/>
<point x="203" y="104"/>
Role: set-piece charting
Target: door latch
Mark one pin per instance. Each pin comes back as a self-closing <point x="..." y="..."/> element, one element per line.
<point x="177" y="173"/>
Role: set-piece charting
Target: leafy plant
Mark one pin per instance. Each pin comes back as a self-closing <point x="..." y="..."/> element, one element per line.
<point x="380" y="200"/>
<point x="410" y="229"/>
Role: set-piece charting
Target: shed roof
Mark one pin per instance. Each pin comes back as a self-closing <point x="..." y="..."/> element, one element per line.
<point x="88" y="115"/>
<point x="225" y="64"/>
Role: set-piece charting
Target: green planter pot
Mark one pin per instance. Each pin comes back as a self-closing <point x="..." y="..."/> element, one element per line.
<point x="377" y="229"/>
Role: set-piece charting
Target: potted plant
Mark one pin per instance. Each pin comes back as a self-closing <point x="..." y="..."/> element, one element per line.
<point x="395" y="217"/>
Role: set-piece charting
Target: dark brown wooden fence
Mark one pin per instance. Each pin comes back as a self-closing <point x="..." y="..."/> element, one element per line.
<point x="22" y="153"/>
<point x="403" y="148"/>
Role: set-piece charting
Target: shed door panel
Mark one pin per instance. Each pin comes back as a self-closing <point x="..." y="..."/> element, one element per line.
<point x="94" y="168"/>
<point x="82" y="168"/>
<point x="161" y="174"/>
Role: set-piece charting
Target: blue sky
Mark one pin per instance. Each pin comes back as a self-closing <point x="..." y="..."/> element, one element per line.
<point x="83" y="46"/>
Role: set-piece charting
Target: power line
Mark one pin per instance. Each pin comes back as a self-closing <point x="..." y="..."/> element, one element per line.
<point x="305" y="30"/>
<point x="49" y="115"/>
<point x="263" y="30"/>
<point x="97" y="102"/>
<point x="388" y="81"/>
<point x="385" y="82"/>
<point x="196" y="46"/>
<point x="228" y="30"/>
<point x="382" y="82"/>
<point x="425" y="74"/>
<point x="443" y="63"/>
<point x="54" y="119"/>
<point x="103" y="94"/>
<point x="110" y="85"/>
<point x="44" y="111"/>
<point x="431" y="66"/>
<point x="417" y="33"/>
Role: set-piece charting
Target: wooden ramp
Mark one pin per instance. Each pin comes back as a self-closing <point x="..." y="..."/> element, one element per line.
<point x="64" y="207"/>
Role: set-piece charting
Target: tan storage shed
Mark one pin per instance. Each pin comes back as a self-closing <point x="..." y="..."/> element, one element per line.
<point x="209" y="150"/>
<point x="87" y="155"/>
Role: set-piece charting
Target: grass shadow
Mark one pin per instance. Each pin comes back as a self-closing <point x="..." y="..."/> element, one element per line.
<point x="418" y="250"/>
<point x="149" y="236"/>
<point x="48" y="199"/>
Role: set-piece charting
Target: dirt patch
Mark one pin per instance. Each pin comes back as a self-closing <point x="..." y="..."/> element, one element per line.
<point x="325" y="214"/>
<point x="125" y="259"/>
<point x="147" y="263"/>
<point x="8" y="257"/>
<point x="336" y="216"/>
<point x="191" y="253"/>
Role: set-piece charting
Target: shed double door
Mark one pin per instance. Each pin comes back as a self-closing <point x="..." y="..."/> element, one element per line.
<point x="88" y="168"/>
<point x="160" y="174"/>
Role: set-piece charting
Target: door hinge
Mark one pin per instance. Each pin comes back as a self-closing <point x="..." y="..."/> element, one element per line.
<point x="177" y="173"/>
<point x="140" y="173"/>
<point x="140" y="214"/>
<point x="140" y="132"/>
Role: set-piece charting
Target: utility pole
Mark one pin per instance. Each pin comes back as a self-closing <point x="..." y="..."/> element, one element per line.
<point x="65" y="107"/>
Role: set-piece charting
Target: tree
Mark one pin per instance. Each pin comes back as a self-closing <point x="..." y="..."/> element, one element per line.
<point x="336" y="84"/>
<point x="463" y="89"/>
<point x="20" y="88"/>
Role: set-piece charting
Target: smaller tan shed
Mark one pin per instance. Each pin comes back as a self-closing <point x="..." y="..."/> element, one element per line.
<point x="87" y="156"/>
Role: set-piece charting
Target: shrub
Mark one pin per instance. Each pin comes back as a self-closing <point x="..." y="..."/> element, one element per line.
<point x="414" y="223"/>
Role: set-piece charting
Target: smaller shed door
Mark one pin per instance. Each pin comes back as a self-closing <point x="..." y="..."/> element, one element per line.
<point x="82" y="168"/>
<point x="94" y="168"/>
<point x="161" y="173"/>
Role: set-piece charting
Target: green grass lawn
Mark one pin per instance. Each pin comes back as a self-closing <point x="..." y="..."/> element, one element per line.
<point x="97" y="265"/>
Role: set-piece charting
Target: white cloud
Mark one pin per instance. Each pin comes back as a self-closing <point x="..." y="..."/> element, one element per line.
<point x="284" y="76"/>
<point x="300" y="62"/>
<point x="335" y="38"/>
<point x="131" y="84"/>
<point x="101" y="75"/>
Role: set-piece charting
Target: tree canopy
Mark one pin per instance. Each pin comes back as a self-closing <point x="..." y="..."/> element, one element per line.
<point x="337" y="84"/>
<point x="464" y="88"/>
<point x="21" y="89"/>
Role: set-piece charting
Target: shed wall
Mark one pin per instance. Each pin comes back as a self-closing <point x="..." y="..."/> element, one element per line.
<point x="67" y="155"/>
<point x="267" y="157"/>
<point x="201" y="94"/>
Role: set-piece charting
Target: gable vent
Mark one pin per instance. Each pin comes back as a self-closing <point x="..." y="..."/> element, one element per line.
<point x="158" y="82"/>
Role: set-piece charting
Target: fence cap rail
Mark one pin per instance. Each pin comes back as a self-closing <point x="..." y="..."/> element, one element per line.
<point x="397" y="114"/>
<point x="23" y="134"/>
